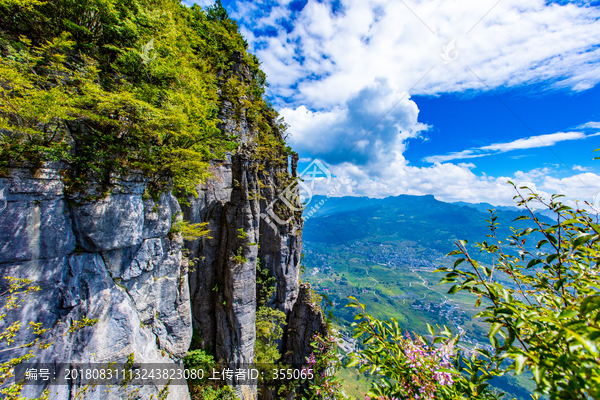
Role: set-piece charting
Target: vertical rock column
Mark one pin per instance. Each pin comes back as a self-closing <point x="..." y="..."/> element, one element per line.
<point x="223" y="278"/>
<point x="280" y="237"/>
<point x="207" y="207"/>
<point x="236" y="267"/>
<point x="306" y="320"/>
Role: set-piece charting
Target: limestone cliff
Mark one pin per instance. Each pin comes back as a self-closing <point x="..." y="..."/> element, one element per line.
<point x="110" y="259"/>
<point x="223" y="291"/>
<point x="248" y="221"/>
<point x="112" y="256"/>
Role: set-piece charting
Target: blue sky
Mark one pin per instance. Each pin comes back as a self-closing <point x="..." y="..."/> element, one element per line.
<point x="443" y="97"/>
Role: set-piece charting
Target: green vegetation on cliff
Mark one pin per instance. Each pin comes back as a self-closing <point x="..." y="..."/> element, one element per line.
<point x="110" y="86"/>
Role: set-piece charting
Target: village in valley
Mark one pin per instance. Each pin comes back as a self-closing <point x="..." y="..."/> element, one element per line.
<point x="392" y="281"/>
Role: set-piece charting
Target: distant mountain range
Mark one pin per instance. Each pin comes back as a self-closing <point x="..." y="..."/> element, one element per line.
<point x="423" y="219"/>
<point x="486" y="206"/>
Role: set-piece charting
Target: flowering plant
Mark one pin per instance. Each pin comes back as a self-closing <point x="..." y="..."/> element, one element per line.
<point x="411" y="368"/>
<point x="546" y="319"/>
<point x="321" y="367"/>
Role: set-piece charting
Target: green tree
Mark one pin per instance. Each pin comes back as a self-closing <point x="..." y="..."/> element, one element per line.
<point x="269" y="321"/>
<point x="203" y="389"/>
<point x="547" y="320"/>
<point x="108" y="86"/>
<point x="265" y="284"/>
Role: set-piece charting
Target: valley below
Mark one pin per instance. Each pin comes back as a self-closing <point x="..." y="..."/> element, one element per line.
<point x="357" y="253"/>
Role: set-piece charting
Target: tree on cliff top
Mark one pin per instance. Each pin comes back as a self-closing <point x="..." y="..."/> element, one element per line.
<point x="107" y="86"/>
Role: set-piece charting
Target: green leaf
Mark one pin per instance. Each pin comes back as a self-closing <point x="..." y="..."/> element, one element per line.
<point x="520" y="360"/>
<point x="448" y="371"/>
<point x="571" y="221"/>
<point x="454" y="289"/>
<point x="590" y="304"/>
<point x="481" y="387"/>
<point x="447" y="280"/>
<point x="595" y="227"/>
<point x="494" y="328"/>
<point x="582" y="239"/>
<point x="568" y="314"/>
<point x="589" y="345"/>
<point x="353" y="362"/>
<point x="458" y="262"/>
<point x="430" y="330"/>
<point x="537" y="374"/>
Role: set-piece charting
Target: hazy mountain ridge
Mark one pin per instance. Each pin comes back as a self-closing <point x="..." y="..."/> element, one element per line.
<point x="423" y="219"/>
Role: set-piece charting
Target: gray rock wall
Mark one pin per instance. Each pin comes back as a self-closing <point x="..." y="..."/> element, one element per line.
<point x="281" y="237"/>
<point x="306" y="319"/>
<point x="230" y="201"/>
<point x="223" y="279"/>
<point x="113" y="259"/>
<point x="110" y="259"/>
<point x="243" y="193"/>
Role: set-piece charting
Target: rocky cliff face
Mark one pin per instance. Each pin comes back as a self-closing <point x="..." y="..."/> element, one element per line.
<point x="248" y="221"/>
<point x="223" y="290"/>
<point x="241" y="196"/>
<point x="305" y="320"/>
<point x="110" y="259"/>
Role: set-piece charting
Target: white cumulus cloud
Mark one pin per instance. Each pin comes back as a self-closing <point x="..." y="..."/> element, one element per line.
<point x="327" y="57"/>
<point x="335" y="73"/>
